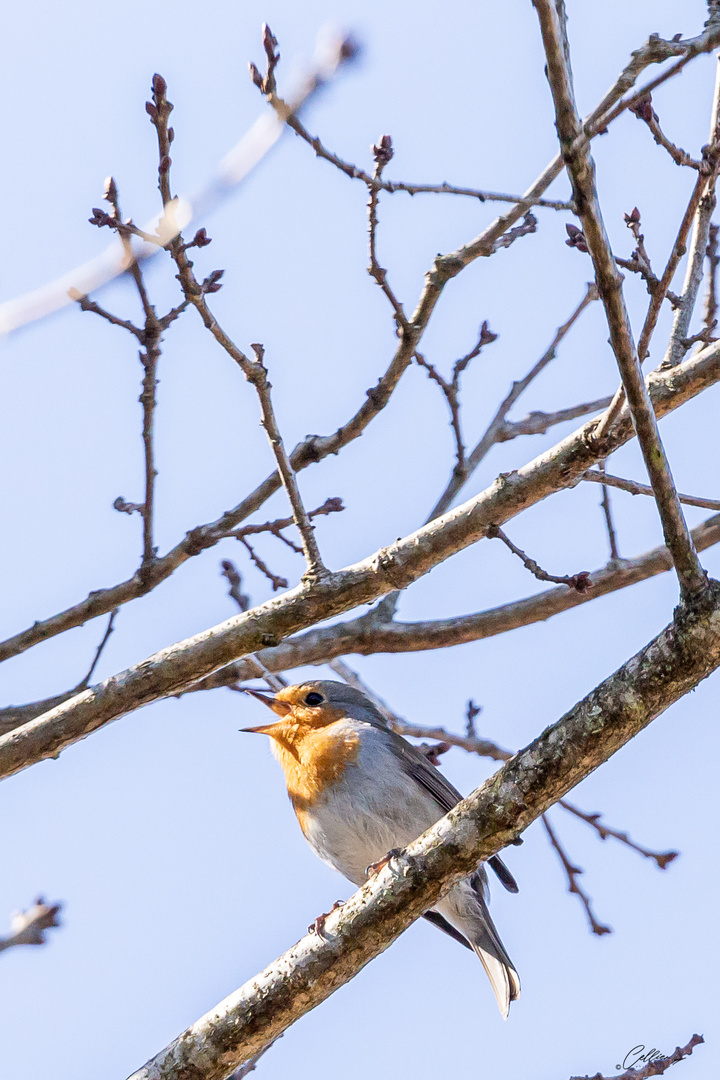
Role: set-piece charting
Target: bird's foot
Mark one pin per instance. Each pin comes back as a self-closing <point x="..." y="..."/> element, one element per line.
<point x="318" y="926"/>
<point x="375" y="867"/>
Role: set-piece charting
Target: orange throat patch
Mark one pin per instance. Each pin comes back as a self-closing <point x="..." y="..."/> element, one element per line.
<point x="313" y="760"/>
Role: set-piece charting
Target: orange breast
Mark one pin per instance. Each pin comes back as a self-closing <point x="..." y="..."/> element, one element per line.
<point x="313" y="760"/>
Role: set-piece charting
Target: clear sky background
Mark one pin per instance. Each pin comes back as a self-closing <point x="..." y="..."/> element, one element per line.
<point x="168" y="835"/>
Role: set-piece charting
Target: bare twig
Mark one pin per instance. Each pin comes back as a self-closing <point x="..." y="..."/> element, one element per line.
<point x="711" y="303"/>
<point x="275" y="580"/>
<point x="573" y="872"/>
<point x="691" y="576"/>
<point x="151" y="337"/>
<point x="86" y="304"/>
<point x="580" y="582"/>
<point x="639" y="263"/>
<point x="537" y="423"/>
<point x="607" y="513"/>
<point x="258" y="377"/>
<point x="498" y="422"/>
<point x="451" y="391"/>
<point x="644" y="111"/>
<point x="656" y="1067"/>
<point x="680" y="341"/>
<point x="661" y="858"/>
<point x="382" y="153"/>
<point x="28" y="927"/>
<point x="234" y="580"/>
<point x="642" y="489"/>
<point x="658" y="293"/>
<point x="330" y="506"/>
<point x="98" y="652"/>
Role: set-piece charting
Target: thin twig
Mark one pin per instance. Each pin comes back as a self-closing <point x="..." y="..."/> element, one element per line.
<point x="657" y="295"/>
<point x="644" y="111"/>
<point x="642" y="489"/>
<point x="234" y="580"/>
<point x="382" y="153"/>
<point x="28" y="927"/>
<point x="609" y="524"/>
<point x="471" y="743"/>
<point x="661" y="858"/>
<point x="497" y="424"/>
<point x="654" y="1068"/>
<point x="258" y="377"/>
<point x="691" y="576"/>
<point x="151" y="337"/>
<point x="573" y="872"/>
<point x="98" y="652"/>
<point x="254" y="371"/>
<point x="580" y="582"/>
<point x="451" y="390"/>
<point x="711" y="303"/>
<point x="86" y="304"/>
<point x="680" y="341"/>
<point x="330" y="506"/>
<point x="537" y="423"/>
<point x="639" y="263"/>
<point x="275" y="580"/>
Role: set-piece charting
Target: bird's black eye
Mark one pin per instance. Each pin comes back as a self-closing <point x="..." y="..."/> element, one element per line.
<point x="313" y="698"/>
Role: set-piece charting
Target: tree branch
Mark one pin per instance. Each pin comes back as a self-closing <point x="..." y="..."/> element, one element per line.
<point x="28" y="927"/>
<point x="389" y="569"/>
<point x="478" y="828"/>
<point x="581" y="168"/>
<point x="653" y="1068"/>
<point x="642" y="489"/>
<point x="572" y="873"/>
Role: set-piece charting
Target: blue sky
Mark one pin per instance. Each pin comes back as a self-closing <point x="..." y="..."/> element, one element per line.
<point x="168" y="835"/>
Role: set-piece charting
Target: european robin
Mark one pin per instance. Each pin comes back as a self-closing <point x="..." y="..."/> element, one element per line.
<point x="359" y="791"/>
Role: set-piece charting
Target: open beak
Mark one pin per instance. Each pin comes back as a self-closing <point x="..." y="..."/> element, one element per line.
<point x="281" y="708"/>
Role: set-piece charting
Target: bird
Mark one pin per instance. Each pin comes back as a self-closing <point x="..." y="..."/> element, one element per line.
<point x="360" y="792"/>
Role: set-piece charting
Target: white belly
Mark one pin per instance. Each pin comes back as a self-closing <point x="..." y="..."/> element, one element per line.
<point x="373" y="808"/>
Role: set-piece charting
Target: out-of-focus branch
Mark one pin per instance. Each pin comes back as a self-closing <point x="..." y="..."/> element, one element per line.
<point x="657" y="1067"/>
<point x="691" y="576"/>
<point x="28" y="927"/>
<point x="234" y="168"/>
<point x="642" y="489"/>
<point x="572" y="873"/>
<point x="478" y="828"/>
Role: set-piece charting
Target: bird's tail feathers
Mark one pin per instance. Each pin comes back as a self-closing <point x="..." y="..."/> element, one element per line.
<point x="503" y="977"/>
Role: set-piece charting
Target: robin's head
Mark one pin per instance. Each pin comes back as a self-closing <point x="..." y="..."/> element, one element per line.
<point x="312" y="705"/>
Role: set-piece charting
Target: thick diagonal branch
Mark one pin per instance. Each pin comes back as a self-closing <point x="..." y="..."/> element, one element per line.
<point x="391" y="568"/>
<point x="581" y="170"/>
<point x="672" y="664"/>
